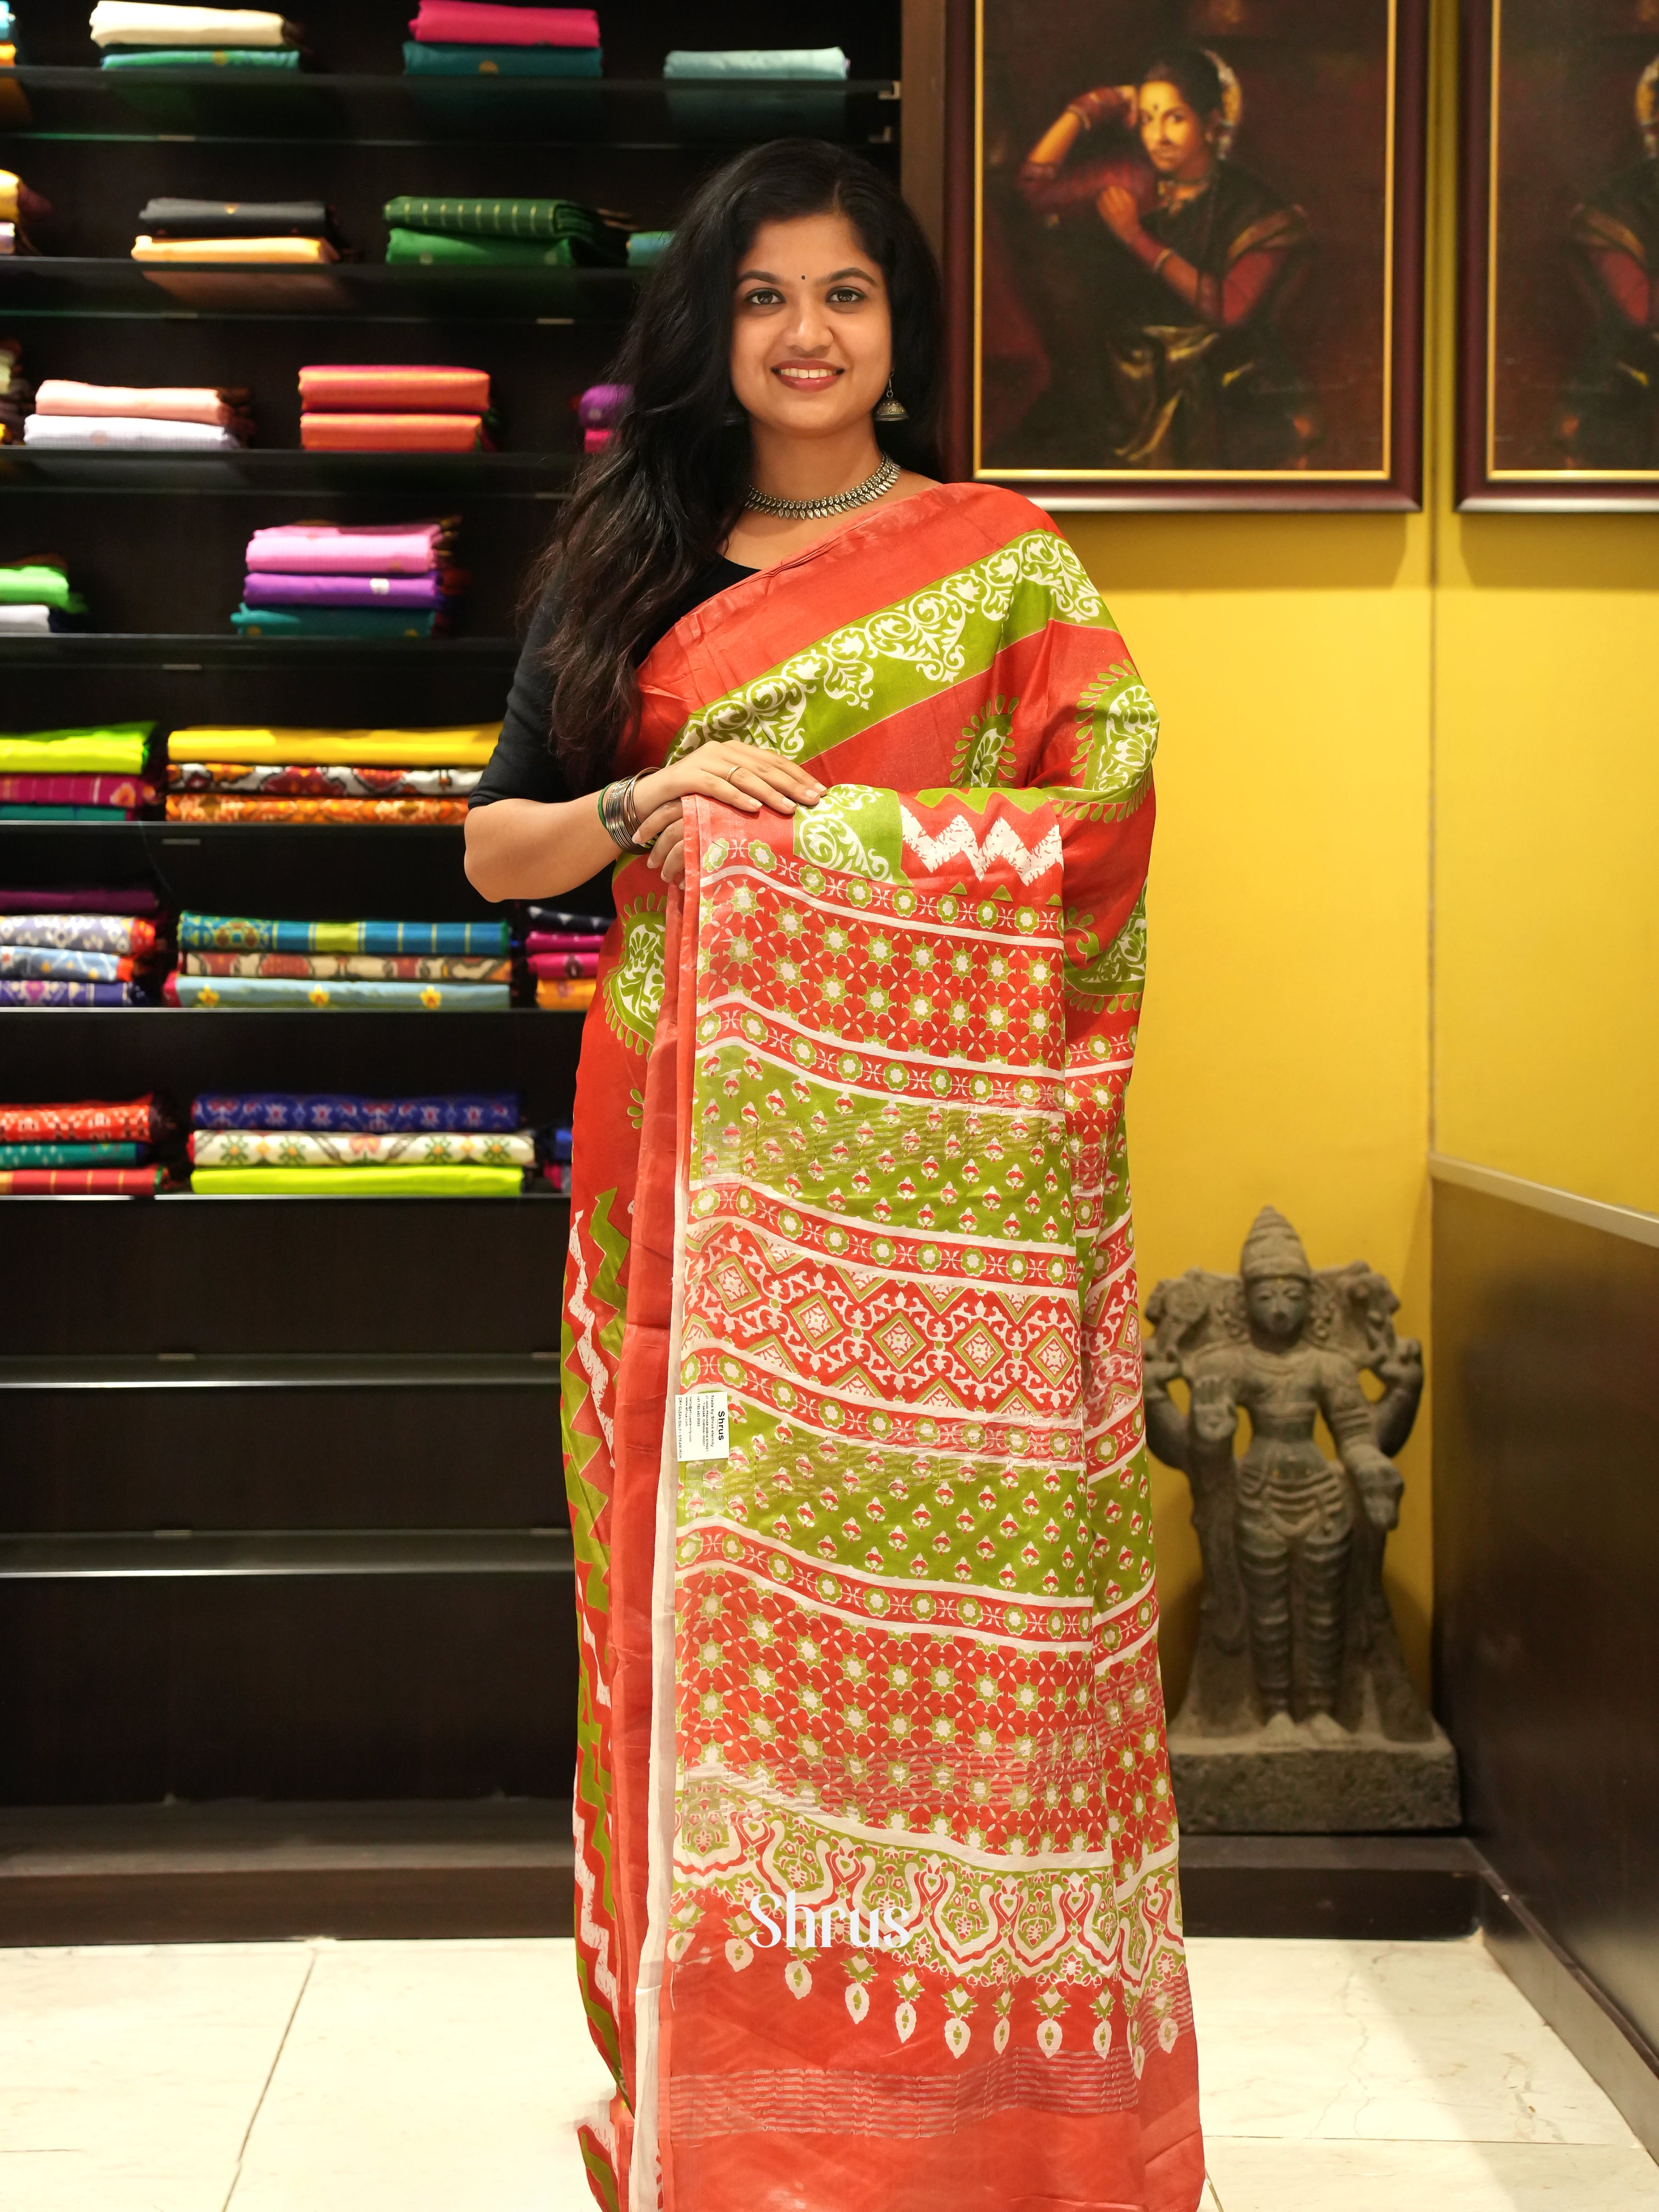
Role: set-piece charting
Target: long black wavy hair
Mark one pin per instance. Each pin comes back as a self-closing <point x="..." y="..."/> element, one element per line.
<point x="657" y="504"/>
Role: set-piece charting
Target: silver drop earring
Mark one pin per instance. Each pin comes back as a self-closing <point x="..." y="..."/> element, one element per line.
<point x="890" y="409"/>
<point x="735" y="412"/>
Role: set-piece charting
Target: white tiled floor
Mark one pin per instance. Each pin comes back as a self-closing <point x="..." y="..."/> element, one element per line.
<point x="444" y="2077"/>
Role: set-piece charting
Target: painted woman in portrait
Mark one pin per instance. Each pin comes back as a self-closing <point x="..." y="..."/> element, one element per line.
<point x="1611" y="418"/>
<point x="1167" y="261"/>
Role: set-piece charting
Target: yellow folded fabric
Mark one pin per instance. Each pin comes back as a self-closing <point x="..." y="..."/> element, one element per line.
<point x="7" y="177"/>
<point x="467" y="747"/>
<point x="212" y="250"/>
<point x="117" y="750"/>
<point x="565" y="993"/>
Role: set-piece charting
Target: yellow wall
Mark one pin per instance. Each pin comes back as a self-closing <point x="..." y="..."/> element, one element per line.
<point x="1406" y="883"/>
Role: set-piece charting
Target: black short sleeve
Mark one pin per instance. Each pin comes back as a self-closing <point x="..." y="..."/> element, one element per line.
<point x="522" y="765"/>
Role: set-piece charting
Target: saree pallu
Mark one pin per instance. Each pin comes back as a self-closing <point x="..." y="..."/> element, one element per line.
<point x="80" y="1182"/>
<point x="306" y="1148"/>
<point x="300" y="994"/>
<point x="275" y="781"/>
<point x="217" y="932"/>
<point x="495" y="1111"/>
<point x="358" y="1182"/>
<point x="236" y="807"/>
<point x="365" y="967"/>
<point x="83" y="1121"/>
<point x="850" y="1157"/>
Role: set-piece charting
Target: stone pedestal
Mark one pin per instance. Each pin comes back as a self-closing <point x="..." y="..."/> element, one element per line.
<point x="1287" y="1780"/>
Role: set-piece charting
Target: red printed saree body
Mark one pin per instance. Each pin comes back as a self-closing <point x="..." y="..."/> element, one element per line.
<point x="876" y="1901"/>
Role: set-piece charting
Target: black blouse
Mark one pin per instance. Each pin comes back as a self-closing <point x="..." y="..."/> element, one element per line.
<point x="522" y="765"/>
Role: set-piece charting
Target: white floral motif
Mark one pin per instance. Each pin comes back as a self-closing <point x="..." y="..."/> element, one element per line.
<point x="925" y="631"/>
<point x="823" y="833"/>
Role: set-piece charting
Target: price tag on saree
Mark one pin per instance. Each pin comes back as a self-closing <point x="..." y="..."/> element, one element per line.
<point x="700" y="1425"/>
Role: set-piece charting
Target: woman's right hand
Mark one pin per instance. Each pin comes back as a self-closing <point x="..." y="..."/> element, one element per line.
<point x="746" y="777"/>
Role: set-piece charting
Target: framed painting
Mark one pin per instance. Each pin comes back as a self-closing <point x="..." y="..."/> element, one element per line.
<point x="1558" y="385"/>
<point x="1185" y="251"/>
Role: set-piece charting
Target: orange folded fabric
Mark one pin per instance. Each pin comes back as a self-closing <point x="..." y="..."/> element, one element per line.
<point x="232" y="806"/>
<point x="159" y="403"/>
<point x="211" y="251"/>
<point x="392" y="433"/>
<point x="365" y="387"/>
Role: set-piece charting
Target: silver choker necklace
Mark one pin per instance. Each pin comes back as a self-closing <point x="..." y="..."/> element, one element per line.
<point x="814" y="510"/>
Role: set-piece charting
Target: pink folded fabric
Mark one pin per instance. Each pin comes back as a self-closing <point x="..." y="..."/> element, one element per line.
<point x="478" y="23"/>
<point x="290" y="591"/>
<point x="561" y="965"/>
<point x="548" y="940"/>
<point x="320" y="548"/>
<point x="154" y="403"/>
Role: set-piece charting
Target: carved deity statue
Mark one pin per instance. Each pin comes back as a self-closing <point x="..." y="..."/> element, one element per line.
<point x="1295" y="1638"/>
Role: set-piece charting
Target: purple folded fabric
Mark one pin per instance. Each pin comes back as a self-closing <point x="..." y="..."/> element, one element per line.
<point x="131" y="899"/>
<point x="40" y="991"/>
<point x="392" y="548"/>
<point x="600" y="404"/>
<point x="263" y="589"/>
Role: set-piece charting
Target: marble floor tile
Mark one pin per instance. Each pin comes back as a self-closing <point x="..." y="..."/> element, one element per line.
<point x="1417" y="2042"/>
<point x="129" y="2075"/>
<point x="1436" y="2176"/>
<point x="429" y="2077"/>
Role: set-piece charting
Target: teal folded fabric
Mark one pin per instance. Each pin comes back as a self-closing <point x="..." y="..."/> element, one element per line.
<point x="646" y="248"/>
<point x="218" y="57"/>
<point x="108" y="1155"/>
<point x="497" y="218"/>
<point x="10" y="813"/>
<point x="309" y="994"/>
<point x="433" y="249"/>
<point x="826" y="62"/>
<point x="218" y="933"/>
<point x="335" y="622"/>
<point x="502" y="61"/>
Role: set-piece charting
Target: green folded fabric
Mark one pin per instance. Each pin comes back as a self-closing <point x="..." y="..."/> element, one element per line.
<point x="390" y="1182"/>
<point x="497" y="218"/>
<point x="433" y="249"/>
<point x="826" y="62"/>
<point x="26" y="813"/>
<point x="646" y="248"/>
<point x="265" y="58"/>
<point x="112" y="1154"/>
<point x="115" y="750"/>
<point x="502" y="61"/>
<point x="37" y="583"/>
<point x="335" y="622"/>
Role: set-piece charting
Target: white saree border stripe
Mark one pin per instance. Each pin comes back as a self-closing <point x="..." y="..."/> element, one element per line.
<point x="1048" y="1072"/>
<point x="1002" y="842"/>
<point x="595" y="1937"/>
<point x="645" y="2171"/>
<point x="959" y="932"/>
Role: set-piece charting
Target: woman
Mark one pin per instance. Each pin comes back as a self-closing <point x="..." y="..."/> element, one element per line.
<point x="1609" y="416"/>
<point x="1175" y="255"/>
<point x="875" y="1848"/>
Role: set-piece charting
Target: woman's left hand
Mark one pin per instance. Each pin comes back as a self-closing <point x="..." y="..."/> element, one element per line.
<point x="667" y="854"/>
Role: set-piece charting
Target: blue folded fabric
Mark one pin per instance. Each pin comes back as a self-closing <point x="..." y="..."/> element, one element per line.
<point x="335" y="622"/>
<point x="214" y="932"/>
<point x="309" y="994"/>
<point x="489" y="1112"/>
<point x="502" y="61"/>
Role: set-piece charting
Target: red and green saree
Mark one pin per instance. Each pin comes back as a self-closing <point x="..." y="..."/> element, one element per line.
<point x="850" y="1159"/>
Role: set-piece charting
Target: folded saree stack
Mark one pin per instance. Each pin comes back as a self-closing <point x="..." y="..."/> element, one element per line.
<point x="187" y="418"/>
<point x="16" y="392"/>
<point x="134" y="34"/>
<point x="35" y="597"/>
<point x="91" y="1146"/>
<point x="381" y="580"/>
<point x="597" y="410"/>
<point x="467" y="38"/>
<point x="79" y="949"/>
<point x="562" y="952"/>
<point x="498" y="233"/>
<point x="553" y="1150"/>
<point x="287" y="1144"/>
<point x="753" y="91"/>
<point x="8" y="38"/>
<point x="92" y="774"/>
<point x="413" y="967"/>
<point x="19" y="207"/>
<point x="184" y="233"/>
<point x="394" y="409"/>
<point x="237" y="775"/>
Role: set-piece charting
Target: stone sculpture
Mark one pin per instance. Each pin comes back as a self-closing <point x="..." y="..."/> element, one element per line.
<point x="1299" y="1714"/>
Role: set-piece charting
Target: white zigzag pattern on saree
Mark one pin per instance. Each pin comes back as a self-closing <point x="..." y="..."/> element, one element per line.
<point x="958" y="842"/>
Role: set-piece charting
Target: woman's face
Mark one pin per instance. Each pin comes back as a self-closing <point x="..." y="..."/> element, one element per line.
<point x="1172" y="131"/>
<point x="812" y="336"/>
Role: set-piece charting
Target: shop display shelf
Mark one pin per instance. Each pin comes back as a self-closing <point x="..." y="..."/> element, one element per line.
<point x="116" y="286"/>
<point x="128" y="1555"/>
<point x="260" y="470"/>
<point x="283" y="1370"/>
<point x="189" y="652"/>
<point x="391" y="108"/>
